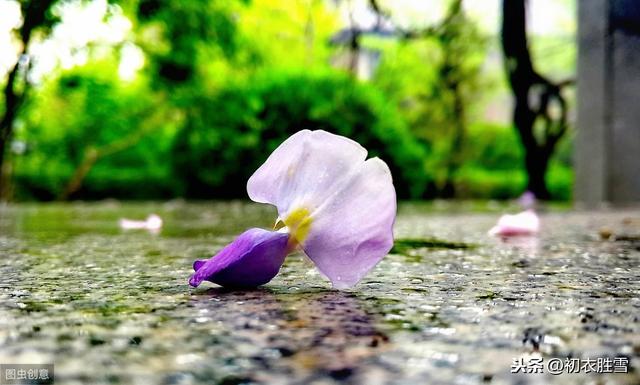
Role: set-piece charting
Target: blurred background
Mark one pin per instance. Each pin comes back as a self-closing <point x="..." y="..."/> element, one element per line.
<point x="152" y="99"/>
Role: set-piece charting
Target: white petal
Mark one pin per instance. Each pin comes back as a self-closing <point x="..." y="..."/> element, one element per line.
<point x="353" y="231"/>
<point x="304" y="170"/>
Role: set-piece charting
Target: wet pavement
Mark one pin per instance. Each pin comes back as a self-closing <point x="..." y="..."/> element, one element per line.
<point x="448" y="305"/>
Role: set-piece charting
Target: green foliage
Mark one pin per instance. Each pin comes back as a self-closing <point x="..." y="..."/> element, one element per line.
<point x="86" y="109"/>
<point x="493" y="147"/>
<point x="560" y="173"/>
<point x="446" y="61"/>
<point x="560" y="181"/>
<point x="180" y="37"/>
<point x="225" y="82"/>
<point x="492" y="166"/>
<point x="286" y="34"/>
<point x="234" y="130"/>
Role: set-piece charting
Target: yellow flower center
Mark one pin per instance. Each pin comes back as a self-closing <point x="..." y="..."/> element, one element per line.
<point x="298" y="222"/>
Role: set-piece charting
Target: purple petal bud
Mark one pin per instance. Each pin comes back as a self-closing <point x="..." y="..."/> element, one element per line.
<point x="251" y="260"/>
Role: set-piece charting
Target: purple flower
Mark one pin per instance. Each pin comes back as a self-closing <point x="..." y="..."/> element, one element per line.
<point x="252" y="259"/>
<point x="333" y="203"/>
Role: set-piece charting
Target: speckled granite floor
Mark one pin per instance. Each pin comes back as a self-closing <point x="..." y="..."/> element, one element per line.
<point x="449" y="305"/>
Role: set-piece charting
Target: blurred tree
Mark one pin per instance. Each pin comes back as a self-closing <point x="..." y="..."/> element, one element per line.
<point x="181" y="37"/>
<point x="237" y="127"/>
<point x="112" y="117"/>
<point x="97" y="117"/>
<point x="224" y="82"/>
<point x="191" y="49"/>
<point x="291" y="34"/>
<point x="36" y="16"/>
<point x="453" y="51"/>
<point x="540" y="111"/>
<point x="458" y="40"/>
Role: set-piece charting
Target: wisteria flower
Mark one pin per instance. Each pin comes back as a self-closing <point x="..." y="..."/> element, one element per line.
<point x="524" y="223"/>
<point x="333" y="203"/>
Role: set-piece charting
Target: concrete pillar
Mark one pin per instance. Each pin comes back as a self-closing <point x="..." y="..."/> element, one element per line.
<point x="607" y="147"/>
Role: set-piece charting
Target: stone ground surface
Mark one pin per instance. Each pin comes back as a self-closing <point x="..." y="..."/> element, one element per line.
<point x="449" y="305"/>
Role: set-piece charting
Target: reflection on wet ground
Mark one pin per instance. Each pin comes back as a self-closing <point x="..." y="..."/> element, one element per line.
<point x="449" y="305"/>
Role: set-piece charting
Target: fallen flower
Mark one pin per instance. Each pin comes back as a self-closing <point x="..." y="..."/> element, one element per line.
<point x="152" y="223"/>
<point x="252" y="259"/>
<point x="333" y="203"/>
<point x="524" y="223"/>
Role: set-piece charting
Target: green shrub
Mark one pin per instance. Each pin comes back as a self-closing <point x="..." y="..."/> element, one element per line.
<point x="87" y="108"/>
<point x="493" y="147"/>
<point x="474" y="182"/>
<point x="494" y="165"/>
<point x="560" y="181"/>
<point x="230" y="133"/>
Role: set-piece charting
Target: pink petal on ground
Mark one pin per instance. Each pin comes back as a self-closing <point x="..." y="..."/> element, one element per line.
<point x="524" y="223"/>
<point x="152" y="223"/>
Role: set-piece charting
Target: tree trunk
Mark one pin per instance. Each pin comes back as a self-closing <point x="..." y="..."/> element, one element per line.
<point x="536" y="159"/>
<point x="455" y="155"/>
<point x="450" y="72"/>
<point x="12" y="101"/>
<point x="90" y="158"/>
<point x="536" y="163"/>
<point x="4" y="172"/>
<point x="34" y="15"/>
<point x="533" y="96"/>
